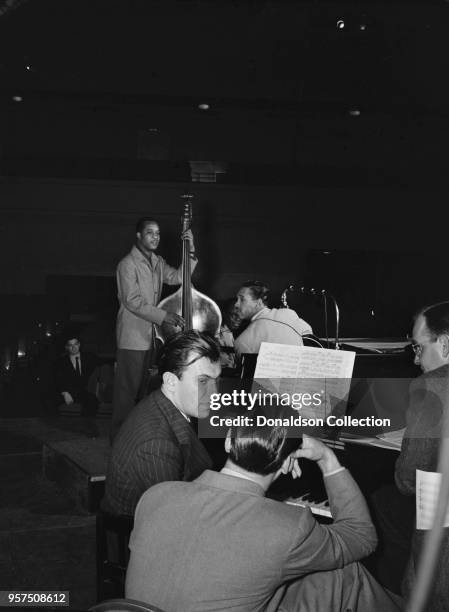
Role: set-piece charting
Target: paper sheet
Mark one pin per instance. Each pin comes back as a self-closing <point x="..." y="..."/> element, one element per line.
<point x="427" y="490"/>
<point x="291" y="369"/>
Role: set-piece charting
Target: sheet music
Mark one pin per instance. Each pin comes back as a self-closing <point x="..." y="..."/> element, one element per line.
<point x="277" y="361"/>
<point x="291" y="361"/>
<point x="291" y="369"/>
<point x="427" y="490"/>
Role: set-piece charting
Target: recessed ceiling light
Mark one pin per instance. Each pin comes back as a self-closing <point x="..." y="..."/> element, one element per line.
<point x="203" y="106"/>
<point x="340" y="24"/>
<point x="17" y="98"/>
<point x="354" y="112"/>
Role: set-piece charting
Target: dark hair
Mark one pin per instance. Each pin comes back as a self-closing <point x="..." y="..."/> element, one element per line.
<point x="261" y="450"/>
<point x="177" y="352"/>
<point x="143" y="222"/>
<point x="258" y="290"/>
<point x="71" y="332"/>
<point x="437" y="318"/>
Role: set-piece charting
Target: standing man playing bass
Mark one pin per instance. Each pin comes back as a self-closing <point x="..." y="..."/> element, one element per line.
<point x="140" y="276"/>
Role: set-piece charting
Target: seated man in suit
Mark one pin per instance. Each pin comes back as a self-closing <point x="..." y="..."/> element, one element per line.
<point x="281" y="325"/>
<point x="218" y="544"/>
<point x="72" y="373"/>
<point x="157" y="442"/>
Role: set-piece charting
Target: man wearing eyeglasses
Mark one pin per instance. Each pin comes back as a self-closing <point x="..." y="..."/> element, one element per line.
<point x="428" y="396"/>
<point x="428" y="405"/>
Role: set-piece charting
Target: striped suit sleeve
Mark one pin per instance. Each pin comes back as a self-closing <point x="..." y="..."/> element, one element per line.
<point x="159" y="460"/>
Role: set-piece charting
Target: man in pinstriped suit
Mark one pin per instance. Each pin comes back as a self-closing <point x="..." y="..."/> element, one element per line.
<point x="157" y="442"/>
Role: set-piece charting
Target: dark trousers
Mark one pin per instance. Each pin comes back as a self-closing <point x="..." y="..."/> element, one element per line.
<point x="127" y="384"/>
<point x="347" y="589"/>
<point x="88" y="402"/>
<point x="393" y="516"/>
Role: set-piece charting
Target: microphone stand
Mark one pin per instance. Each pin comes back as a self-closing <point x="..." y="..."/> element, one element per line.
<point x="325" y="295"/>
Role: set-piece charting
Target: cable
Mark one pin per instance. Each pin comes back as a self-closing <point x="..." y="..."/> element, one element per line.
<point x="280" y="322"/>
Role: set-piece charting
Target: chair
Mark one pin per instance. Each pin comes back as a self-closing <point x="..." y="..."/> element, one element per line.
<point x="113" y="534"/>
<point x="123" y="605"/>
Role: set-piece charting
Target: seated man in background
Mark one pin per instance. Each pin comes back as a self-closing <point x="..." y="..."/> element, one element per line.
<point x="218" y="544"/>
<point x="72" y="374"/>
<point x="157" y="441"/>
<point x="281" y="325"/>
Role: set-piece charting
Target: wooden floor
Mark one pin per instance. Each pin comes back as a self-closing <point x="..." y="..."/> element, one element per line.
<point x="47" y="539"/>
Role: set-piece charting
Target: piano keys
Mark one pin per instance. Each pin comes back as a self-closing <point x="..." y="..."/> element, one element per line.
<point x="319" y="508"/>
<point x="370" y="466"/>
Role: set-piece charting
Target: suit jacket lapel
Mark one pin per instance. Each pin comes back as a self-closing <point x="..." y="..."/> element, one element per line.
<point x="196" y="457"/>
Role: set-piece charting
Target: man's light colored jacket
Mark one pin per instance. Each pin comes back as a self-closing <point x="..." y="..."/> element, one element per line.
<point x="139" y="286"/>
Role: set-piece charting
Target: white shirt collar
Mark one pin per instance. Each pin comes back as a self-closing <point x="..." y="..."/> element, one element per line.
<point x="187" y="418"/>
<point x="231" y="472"/>
<point x="260" y="312"/>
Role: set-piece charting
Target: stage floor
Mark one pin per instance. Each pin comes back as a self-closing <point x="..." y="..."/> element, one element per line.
<point x="46" y="541"/>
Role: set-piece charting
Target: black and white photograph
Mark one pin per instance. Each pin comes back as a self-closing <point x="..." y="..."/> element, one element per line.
<point x="224" y="307"/>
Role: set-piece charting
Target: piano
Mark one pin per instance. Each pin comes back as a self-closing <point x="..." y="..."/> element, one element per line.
<point x="319" y="507"/>
<point x="378" y="363"/>
<point x="371" y="467"/>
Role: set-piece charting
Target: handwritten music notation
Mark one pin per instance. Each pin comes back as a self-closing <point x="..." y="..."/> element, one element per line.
<point x="294" y="369"/>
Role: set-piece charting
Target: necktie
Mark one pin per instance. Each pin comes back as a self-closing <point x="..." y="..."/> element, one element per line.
<point x="77" y="366"/>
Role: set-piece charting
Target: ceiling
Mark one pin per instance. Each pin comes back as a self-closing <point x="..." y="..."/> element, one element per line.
<point x="330" y="86"/>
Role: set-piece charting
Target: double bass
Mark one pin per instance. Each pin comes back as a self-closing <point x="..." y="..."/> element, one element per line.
<point x="198" y="310"/>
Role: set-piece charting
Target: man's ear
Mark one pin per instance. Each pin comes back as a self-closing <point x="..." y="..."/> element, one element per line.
<point x="228" y="442"/>
<point x="169" y="380"/>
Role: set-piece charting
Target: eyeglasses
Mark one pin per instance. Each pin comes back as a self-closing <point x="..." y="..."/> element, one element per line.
<point x="418" y="348"/>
